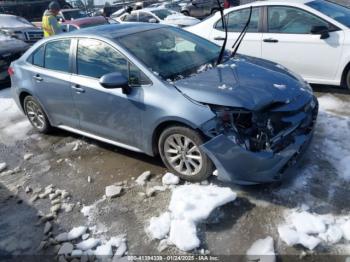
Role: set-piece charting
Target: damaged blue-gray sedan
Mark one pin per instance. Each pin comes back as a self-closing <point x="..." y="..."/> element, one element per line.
<point x="159" y="90"/>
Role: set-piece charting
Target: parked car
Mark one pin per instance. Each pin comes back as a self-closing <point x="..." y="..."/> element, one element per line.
<point x="156" y="89"/>
<point x="30" y="9"/>
<point x="310" y="37"/>
<point x="20" y="28"/>
<point x="167" y="5"/>
<point x="158" y="15"/>
<point x="72" y="25"/>
<point x="201" y="8"/>
<point x="71" y="14"/>
<point x="10" y="50"/>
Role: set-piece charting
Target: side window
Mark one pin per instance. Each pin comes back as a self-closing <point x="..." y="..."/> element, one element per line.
<point x="95" y="59"/>
<point x="144" y="17"/>
<point x="236" y="21"/>
<point x="57" y="55"/>
<point x="38" y="56"/>
<point x="131" y="18"/>
<point x="290" y="20"/>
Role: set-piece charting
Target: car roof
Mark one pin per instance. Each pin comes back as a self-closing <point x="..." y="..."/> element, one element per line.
<point x="112" y="31"/>
<point x="300" y="2"/>
<point x="70" y="10"/>
<point x="86" y="20"/>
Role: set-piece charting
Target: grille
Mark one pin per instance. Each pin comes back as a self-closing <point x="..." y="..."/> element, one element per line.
<point x="33" y="36"/>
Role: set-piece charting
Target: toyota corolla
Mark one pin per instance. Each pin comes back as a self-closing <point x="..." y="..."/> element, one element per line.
<point x="160" y="90"/>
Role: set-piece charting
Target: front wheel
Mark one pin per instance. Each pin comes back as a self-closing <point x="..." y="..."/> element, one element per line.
<point x="180" y="152"/>
<point x="36" y="115"/>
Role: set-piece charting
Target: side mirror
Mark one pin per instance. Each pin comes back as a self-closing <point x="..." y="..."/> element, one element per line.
<point x="320" y="30"/>
<point x="152" y="20"/>
<point x="115" y="80"/>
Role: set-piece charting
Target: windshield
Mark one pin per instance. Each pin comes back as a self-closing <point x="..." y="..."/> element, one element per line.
<point x="70" y="15"/>
<point x="13" y="21"/>
<point x="338" y="12"/>
<point x="162" y="13"/>
<point x="171" y="52"/>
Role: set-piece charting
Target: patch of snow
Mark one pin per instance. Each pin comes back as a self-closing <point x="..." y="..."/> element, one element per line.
<point x="3" y="166"/>
<point x="222" y="87"/>
<point x="88" y="244"/>
<point x="183" y="234"/>
<point x="204" y="68"/>
<point x="143" y="178"/>
<point x="262" y="250"/>
<point x="113" y="191"/>
<point x="189" y="205"/>
<point x="307" y="223"/>
<point x="159" y="226"/>
<point x="170" y="179"/>
<point x="76" y="232"/>
<point x="280" y="86"/>
<point x="104" y="251"/>
<point x="122" y="248"/>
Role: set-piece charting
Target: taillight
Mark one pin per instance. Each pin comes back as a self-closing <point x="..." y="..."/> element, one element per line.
<point x="10" y="71"/>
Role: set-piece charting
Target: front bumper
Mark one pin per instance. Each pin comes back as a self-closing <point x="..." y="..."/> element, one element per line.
<point x="236" y="164"/>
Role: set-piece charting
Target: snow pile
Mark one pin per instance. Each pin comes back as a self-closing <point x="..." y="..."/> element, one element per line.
<point x="335" y="129"/>
<point x="262" y="250"/>
<point x="189" y="205"/>
<point x="170" y="179"/>
<point x="309" y="230"/>
<point x="13" y="125"/>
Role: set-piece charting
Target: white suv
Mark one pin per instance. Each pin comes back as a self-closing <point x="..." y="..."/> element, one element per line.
<point x="310" y="37"/>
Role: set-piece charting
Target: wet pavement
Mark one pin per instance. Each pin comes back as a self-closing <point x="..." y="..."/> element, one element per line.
<point x="84" y="167"/>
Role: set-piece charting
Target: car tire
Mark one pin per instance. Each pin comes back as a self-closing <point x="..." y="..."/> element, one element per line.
<point x="36" y="115"/>
<point x="186" y="13"/>
<point x="179" y="149"/>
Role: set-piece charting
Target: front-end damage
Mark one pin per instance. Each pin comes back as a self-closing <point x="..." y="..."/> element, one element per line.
<point x="251" y="147"/>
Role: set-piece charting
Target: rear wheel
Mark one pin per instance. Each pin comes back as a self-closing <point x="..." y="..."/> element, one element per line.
<point x="36" y="115"/>
<point x="186" y="13"/>
<point x="180" y="152"/>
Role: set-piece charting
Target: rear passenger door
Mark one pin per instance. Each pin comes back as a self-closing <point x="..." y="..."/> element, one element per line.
<point x="236" y="20"/>
<point x="51" y="78"/>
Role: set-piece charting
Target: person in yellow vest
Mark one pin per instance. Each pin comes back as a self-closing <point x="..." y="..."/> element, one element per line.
<point x="50" y="24"/>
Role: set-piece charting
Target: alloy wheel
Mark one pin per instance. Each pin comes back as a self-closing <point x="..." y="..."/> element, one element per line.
<point x="35" y="115"/>
<point x="183" y="155"/>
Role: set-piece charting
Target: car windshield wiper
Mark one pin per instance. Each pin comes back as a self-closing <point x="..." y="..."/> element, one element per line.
<point x="224" y="25"/>
<point x="242" y="34"/>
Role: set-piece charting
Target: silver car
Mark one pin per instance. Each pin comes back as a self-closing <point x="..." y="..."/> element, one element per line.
<point x="159" y="90"/>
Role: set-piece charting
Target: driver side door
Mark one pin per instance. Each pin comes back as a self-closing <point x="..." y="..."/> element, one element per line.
<point x="289" y="41"/>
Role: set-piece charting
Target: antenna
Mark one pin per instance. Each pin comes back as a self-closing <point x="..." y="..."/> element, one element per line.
<point x="224" y="25"/>
<point x="242" y="34"/>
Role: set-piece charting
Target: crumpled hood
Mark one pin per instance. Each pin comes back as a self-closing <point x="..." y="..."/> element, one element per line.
<point x="245" y="82"/>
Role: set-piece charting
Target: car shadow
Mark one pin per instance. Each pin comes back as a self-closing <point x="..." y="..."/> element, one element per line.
<point x="20" y="232"/>
<point x="330" y="89"/>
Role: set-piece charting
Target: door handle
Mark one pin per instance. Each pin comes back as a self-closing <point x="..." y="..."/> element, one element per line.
<point x="38" y="78"/>
<point x="219" y="38"/>
<point x="270" y="40"/>
<point x="78" y="89"/>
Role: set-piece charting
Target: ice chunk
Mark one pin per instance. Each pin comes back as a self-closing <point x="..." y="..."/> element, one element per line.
<point x="121" y="249"/>
<point x="159" y="226"/>
<point x="309" y="242"/>
<point x="307" y="223"/>
<point x="280" y="86"/>
<point x="333" y="234"/>
<point x="196" y="202"/>
<point x="88" y="244"/>
<point x="3" y="166"/>
<point x="262" y="250"/>
<point x="345" y="227"/>
<point x="104" y="251"/>
<point x="288" y="235"/>
<point x="76" y="232"/>
<point x="222" y="87"/>
<point x="170" y="179"/>
<point x="183" y="234"/>
<point x="113" y="191"/>
<point x="141" y="180"/>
